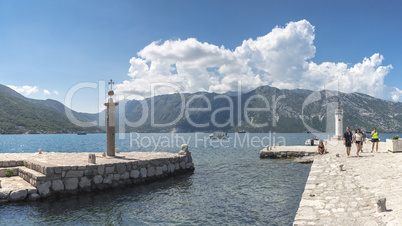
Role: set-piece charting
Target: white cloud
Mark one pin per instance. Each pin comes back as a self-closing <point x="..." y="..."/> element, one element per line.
<point x="282" y="58"/>
<point x="56" y="92"/>
<point x="24" y="90"/>
<point x="46" y="92"/>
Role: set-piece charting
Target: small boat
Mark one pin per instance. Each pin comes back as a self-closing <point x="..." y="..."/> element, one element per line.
<point x="81" y="133"/>
<point x="242" y="131"/>
<point x="219" y="135"/>
<point x="312" y="142"/>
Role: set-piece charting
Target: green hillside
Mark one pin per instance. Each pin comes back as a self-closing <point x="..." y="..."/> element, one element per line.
<point x="23" y="115"/>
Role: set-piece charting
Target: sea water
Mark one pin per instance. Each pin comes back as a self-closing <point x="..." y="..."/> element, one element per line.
<point x="230" y="184"/>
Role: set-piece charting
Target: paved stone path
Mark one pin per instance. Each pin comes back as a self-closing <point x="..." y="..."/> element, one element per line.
<point x="348" y="197"/>
<point x="15" y="184"/>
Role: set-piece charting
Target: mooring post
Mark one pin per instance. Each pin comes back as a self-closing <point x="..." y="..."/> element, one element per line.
<point x="381" y="206"/>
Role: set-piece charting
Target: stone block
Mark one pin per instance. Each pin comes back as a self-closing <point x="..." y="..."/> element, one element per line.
<point x="182" y="165"/>
<point x="18" y="195"/>
<point x="49" y="170"/>
<point x="151" y="171"/>
<point x="98" y="179"/>
<point x="81" y="168"/>
<point x="189" y="165"/>
<point x="33" y="197"/>
<point x="381" y="205"/>
<point x="155" y="162"/>
<point x="121" y="168"/>
<point x="57" y="170"/>
<point x="164" y="168"/>
<point x="158" y="171"/>
<point x="134" y="165"/>
<point x="4" y="194"/>
<point x="3" y="172"/>
<point x="134" y="174"/>
<point x="171" y="168"/>
<point x="57" y="185"/>
<point x="125" y="176"/>
<point x="85" y="182"/>
<point x="177" y="166"/>
<point x="128" y="167"/>
<point x="143" y="163"/>
<point x="101" y="169"/>
<point x="15" y="171"/>
<point x="32" y="191"/>
<point x="116" y="177"/>
<point x="74" y="173"/>
<point x="44" y="189"/>
<point x="92" y="158"/>
<point x="71" y="183"/>
<point x="394" y="145"/>
<point x="109" y="169"/>
<point x="143" y="172"/>
<point x="108" y="179"/>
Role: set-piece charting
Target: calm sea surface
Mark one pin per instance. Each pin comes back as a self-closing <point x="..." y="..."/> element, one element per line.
<point x="230" y="185"/>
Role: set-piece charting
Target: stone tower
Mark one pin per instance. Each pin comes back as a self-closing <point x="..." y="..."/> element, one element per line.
<point x="110" y="122"/>
<point x="338" y="123"/>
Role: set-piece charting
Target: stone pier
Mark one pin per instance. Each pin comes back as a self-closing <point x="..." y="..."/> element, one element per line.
<point x="36" y="176"/>
<point x="348" y="195"/>
<point x="288" y="151"/>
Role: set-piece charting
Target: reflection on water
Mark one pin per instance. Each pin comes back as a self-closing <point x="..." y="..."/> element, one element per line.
<point x="229" y="186"/>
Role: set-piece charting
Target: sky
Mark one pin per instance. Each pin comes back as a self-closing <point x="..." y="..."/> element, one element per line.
<point x="68" y="50"/>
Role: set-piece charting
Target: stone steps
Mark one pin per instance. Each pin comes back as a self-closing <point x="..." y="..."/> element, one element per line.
<point x="11" y="163"/>
<point x="42" y="167"/>
<point x="32" y="176"/>
<point x="4" y="170"/>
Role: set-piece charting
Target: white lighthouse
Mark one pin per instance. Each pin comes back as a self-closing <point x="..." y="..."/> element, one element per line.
<point x="338" y="123"/>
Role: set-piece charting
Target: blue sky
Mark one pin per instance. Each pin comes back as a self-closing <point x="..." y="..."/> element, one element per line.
<point x="54" y="45"/>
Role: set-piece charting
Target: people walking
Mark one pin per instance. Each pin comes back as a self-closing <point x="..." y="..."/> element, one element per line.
<point x="347" y="140"/>
<point x="358" y="138"/>
<point x="374" y="139"/>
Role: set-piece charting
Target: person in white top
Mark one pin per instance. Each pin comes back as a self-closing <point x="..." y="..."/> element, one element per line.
<point x="358" y="138"/>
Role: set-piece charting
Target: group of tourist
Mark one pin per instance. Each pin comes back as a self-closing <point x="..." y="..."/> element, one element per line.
<point x="359" y="137"/>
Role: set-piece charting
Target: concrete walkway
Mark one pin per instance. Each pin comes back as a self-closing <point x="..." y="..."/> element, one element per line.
<point x="348" y="197"/>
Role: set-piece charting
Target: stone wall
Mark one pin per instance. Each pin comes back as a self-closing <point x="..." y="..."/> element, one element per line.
<point x="53" y="180"/>
<point x="73" y="179"/>
<point x="285" y="152"/>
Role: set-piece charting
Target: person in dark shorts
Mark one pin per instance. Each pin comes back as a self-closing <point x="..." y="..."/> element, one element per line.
<point x="347" y="140"/>
<point x="374" y="139"/>
<point x="358" y="138"/>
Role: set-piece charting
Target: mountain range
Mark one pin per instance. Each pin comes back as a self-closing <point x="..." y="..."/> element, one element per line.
<point x="20" y="115"/>
<point x="281" y="110"/>
<point x="298" y="110"/>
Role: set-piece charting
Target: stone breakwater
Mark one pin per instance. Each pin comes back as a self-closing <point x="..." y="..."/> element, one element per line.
<point x="288" y="151"/>
<point x="37" y="176"/>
